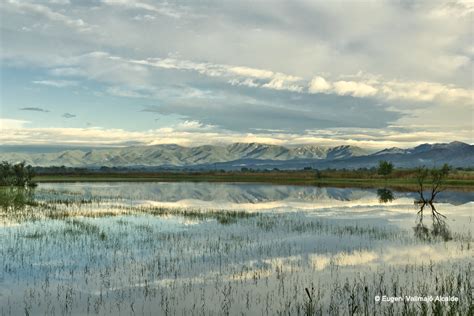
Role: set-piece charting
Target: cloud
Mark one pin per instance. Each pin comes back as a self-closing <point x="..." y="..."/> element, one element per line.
<point x="246" y="82"/>
<point x="7" y="124"/>
<point x="34" y="109"/>
<point x="249" y="67"/>
<point x="104" y="67"/>
<point x="250" y="99"/>
<point x="68" y="71"/>
<point x="193" y="133"/>
<point x="163" y="8"/>
<point x="62" y="2"/>
<point x="68" y="115"/>
<point x="244" y="98"/>
<point x="425" y="91"/>
<point x="456" y="9"/>
<point x="260" y="108"/>
<point x="236" y="75"/>
<point x="250" y="72"/>
<point x="373" y="86"/>
<point x="21" y="6"/>
<point x="362" y="87"/>
<point x="284" y="82"/>
<point x="144" y="17"/>
<point x="56" y="83"/>
<point x="126" y="92"/>
<point x="356" y="89"/>
<point x="303" y="38"/>
<point x="190" y="126"/>
<point x="319" y="84"/>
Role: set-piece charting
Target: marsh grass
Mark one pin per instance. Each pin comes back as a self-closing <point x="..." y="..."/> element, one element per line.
<point x="105" y="255"/>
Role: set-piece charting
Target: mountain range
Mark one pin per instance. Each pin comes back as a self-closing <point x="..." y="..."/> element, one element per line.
<point x="250" y="155"/>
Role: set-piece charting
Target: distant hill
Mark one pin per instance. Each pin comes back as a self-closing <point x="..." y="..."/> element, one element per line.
<point x="250" y="155"/>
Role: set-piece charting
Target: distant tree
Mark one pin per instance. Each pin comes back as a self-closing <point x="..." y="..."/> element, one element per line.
<point x="16" y="174"/>
<point x="385" y="168"/>
<point x="29" y="175"/>
<point x="6" y="173"/>
<point x="317" y="174"/>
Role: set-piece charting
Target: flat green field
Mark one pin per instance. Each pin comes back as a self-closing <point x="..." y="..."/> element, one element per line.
<point x="402" y="180"/>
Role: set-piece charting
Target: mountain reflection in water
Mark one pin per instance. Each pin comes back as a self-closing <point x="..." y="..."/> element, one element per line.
<point x="235" y="193"/>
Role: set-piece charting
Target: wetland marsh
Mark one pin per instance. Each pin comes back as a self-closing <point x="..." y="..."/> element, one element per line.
<point x="218" y="249"/>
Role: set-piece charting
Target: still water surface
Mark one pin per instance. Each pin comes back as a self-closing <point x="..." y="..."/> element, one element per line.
<point x="212" y="248"/>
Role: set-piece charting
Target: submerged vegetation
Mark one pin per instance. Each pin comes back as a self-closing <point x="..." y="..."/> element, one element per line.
<point x="18" y="174"/>
<point x="94" y="249"/>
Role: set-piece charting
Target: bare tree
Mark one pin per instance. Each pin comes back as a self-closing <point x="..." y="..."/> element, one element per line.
<point x="436" y="178"/>
<point x="421" y="175"/>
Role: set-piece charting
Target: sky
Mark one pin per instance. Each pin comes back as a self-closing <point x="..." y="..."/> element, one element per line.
<point x="374" y="74"/>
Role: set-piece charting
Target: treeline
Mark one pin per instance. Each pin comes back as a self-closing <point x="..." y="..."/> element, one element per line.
<point x="74" y="171"/>
<point x="18" y="174"/>
<point x="385" y="170"/>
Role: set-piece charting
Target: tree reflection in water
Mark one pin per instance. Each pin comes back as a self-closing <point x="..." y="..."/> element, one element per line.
<point x="439" y="228"/>
<point x="385" y="195"/>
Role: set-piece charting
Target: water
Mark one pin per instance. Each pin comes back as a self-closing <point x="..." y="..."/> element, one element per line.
<point x="207" y="248"/>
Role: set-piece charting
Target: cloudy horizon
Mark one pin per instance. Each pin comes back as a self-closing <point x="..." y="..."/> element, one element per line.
<point x="114" y="72"/>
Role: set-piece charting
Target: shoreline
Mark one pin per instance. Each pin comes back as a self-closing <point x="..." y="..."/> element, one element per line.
<point x="286" y="178"/>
